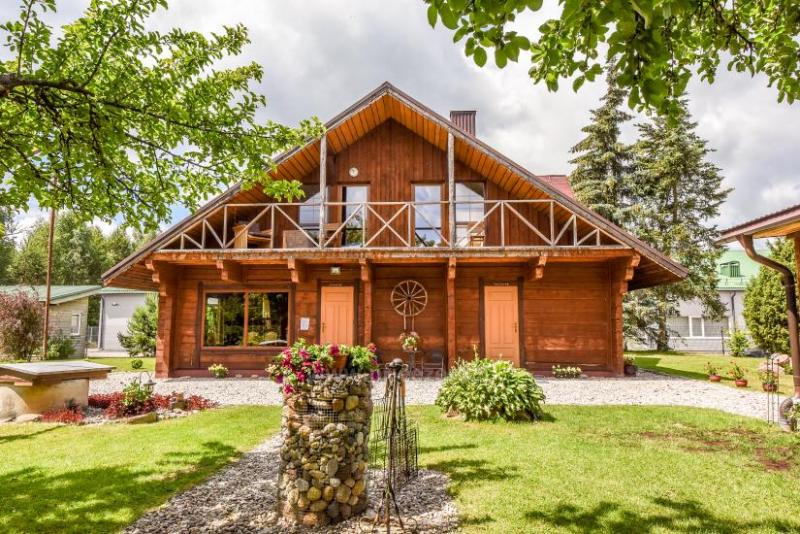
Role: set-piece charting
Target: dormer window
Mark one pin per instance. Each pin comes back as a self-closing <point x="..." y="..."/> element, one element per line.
<point x="731" y="269"/>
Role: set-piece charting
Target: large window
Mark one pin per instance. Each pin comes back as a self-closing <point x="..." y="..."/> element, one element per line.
<point x="698" y="326"/>
<point x="267" y="321"/>
<point x="308" y="218"/>
<point x="427" y="215"/>
<point x="470" y="230"/>
<point x="354" y="197"/>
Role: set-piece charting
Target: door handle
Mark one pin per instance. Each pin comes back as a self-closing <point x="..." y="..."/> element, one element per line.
<point x="515" y="328"/>
<point x="323" y="327"/>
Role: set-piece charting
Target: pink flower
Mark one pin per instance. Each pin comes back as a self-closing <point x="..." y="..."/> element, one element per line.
<point x="334" y="350"/>
<point x="288" y="389"/>
<point x="305" y="354"/>
<point x="279" y="379"/>
<point x="375" y="375"/>
<point x="372" y="347"/>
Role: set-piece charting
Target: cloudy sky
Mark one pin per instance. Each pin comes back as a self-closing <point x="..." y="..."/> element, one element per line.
<point x="320" y="56"/>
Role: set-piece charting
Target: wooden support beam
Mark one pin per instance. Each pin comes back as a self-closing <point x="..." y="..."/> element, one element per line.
<point x="323" y="186"/>
<point x="452" y="346"/>
<point x="451" y="187"/>
<point x="630" y="269"/>
<point x="366" y="270"/>
<point x="297" y="270"/>
<point x="164" y="275"/>
<point x="231" y="271"/>
<point x="537" y="268"/>
<point x="451" y="269"/>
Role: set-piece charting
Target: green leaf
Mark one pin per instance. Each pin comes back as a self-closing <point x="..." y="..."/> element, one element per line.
<point x="479" y="56"/>
<point x="432" y="15"/>
<point x="500" y="58"/>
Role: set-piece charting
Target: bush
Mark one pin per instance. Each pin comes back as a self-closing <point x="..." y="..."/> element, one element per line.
<point x="765" y="302"/>
<point x="59" y="347"/>
<point x="136" y="363"/>
<point x="21" y="325"/>
<point x="218" y="370"/>
<point x="142" y="329"/>
<point x="738" y="343"/>
<point x="72" y="416"/>
<point x="483" y="389"/>
<point x="566" y="371"/>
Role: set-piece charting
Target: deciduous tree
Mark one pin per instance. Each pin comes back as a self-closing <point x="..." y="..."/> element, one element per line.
<point x="658" y="46"/>
<point x="104" y="116"/>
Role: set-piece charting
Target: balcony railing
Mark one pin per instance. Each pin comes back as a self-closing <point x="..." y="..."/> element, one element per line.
<point x="390" y="225"/>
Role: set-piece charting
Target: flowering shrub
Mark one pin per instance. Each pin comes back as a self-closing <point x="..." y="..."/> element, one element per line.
<point x="72" y="416"/>
<point x="410" y="341"/>
<point x="711" y="369"/>
<point x="296" y="364"/>
<point x="117" y="405"/>
<point x="483" y="389"/>
<point x="218" y="370"/>
<point x="21" y="325"/>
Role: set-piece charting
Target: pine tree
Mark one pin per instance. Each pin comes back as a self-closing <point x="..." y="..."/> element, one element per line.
<point x="142" y="329"/>
<point x="675" y="193"/>
<point x="603" y="162"/>
<point x="765" y="302"/>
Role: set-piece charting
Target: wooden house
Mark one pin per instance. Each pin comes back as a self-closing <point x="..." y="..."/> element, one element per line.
<point x="409" y="222"/>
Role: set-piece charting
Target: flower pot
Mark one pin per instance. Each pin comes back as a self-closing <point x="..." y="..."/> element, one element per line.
<point x="339" y="362"/>
<point x="715" y="378"/>
<point x="769" y="388"/>
<point x="631" y="369"/>
<point x="741" y="383"/>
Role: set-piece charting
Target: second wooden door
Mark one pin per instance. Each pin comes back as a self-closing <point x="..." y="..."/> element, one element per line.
<point x="501" y="323"/>
<point x="337" y="315"/>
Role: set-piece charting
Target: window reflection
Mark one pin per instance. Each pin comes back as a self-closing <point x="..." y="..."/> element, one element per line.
<point x="428" y="215"/>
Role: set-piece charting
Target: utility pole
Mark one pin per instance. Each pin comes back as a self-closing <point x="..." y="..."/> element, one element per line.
<point x="46" y="335"/>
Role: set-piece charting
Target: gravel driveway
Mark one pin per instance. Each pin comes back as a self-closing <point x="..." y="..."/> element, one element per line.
<point x="646" y="389"/>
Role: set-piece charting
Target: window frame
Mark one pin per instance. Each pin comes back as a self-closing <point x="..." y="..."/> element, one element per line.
<point x="363" y="216"/>
<point x="441" y="229"/>
<point x="76" y="332"/>
<point x="246" y="290"/>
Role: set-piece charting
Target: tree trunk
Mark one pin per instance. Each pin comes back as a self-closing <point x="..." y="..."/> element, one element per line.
<point x="662" y="339"/>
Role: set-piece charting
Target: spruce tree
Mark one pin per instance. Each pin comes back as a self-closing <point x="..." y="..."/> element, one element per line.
<point x="140" y="339"/>
<point x="603" y="162"/>
<point x="675" y="193"/>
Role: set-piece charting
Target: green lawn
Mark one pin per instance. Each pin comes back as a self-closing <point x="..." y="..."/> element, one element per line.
<point x="124" y="364"/>
<point x="101" y="478"/>
<point x="692" y="365"/>
<point x="617" y="469"/>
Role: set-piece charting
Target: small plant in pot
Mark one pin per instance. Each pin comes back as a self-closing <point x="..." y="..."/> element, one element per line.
<point x="630" y="369"/>
<point x="737" y="373"/>
<point x="769" y="381"/>
<point x="218" y="370"/>
<point x="410" y="341"/>
<point x="713" y="372"/>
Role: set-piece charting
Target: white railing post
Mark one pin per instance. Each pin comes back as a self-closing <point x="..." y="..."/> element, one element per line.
<point x="451" y="188"/>
<point x="323" y="188"/>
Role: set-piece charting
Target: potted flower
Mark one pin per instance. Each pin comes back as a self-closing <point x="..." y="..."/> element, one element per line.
<point x="339" y="357"/>
<point x="630" y="366"/>
<point x="737" y="373"/>
<point x="713" y="372"/>
<point x="298" y="363"/>
<point x="361" y="359"/>
<point x="769" y="380"/>
<point x="410" y="341"/>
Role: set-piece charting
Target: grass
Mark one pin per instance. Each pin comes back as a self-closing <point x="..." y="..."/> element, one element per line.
<point x="101" y="478"/>
<point x="692" y="365"/>
<point x="617" y="469"/>
<point x="124" y="364"/>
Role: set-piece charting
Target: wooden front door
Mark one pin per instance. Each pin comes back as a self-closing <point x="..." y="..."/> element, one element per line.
<point x="337" y="315"/>
<point x="501" y="323"/>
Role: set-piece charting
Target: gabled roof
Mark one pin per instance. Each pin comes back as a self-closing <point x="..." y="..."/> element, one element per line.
<point x="387" y="102"/>
<point x="747" y="269"/>
<point x="778" y="224"/>
<point x="58" y="294"/>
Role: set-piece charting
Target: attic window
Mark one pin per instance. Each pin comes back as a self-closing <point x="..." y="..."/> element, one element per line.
<point x="731" y="269"/>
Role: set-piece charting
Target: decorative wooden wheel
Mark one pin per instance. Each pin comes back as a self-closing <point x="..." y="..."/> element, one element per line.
<point x="409" y="298"/>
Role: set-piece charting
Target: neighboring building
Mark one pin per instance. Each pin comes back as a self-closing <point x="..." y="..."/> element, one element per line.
<point x="116" y="308"/>
<point x="69" y="310"/>
<point x="694" y="332"/>
<point x="409" y="222"/>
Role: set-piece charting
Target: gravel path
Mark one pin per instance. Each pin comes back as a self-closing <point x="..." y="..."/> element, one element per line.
<point x="646" y="389"/>
<point x="241" y="499"/>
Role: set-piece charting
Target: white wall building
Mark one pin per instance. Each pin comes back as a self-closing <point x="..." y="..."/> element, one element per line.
<point x="116" y="309"/>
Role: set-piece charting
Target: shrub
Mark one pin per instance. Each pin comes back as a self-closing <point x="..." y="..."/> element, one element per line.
<point x="218" y="370"/>
<point x="360" y="359"/>
<point x="765" y="302"/>
<point x="483" y="389"/>
<point x="142" y="329"/>
<point x="104" y="400"/>
<point x="21" y="325"/>
<point x="560" y="371"/>
<point x="737" y="343"/>
<point x="72" y="416"/>
<point x="60" y="347"/>
<point x="136" y="363"/>
<point x="296" y="364"/>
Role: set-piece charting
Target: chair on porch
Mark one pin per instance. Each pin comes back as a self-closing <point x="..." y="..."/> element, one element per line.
<point x="433" y="362"/>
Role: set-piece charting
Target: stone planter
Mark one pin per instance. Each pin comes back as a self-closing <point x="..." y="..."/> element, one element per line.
<point x="324" y="454"/>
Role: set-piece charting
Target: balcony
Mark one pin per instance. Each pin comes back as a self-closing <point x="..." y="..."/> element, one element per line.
<point x="476" y="224"/>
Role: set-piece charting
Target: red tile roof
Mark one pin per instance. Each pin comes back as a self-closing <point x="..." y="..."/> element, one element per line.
<point x="559" y="182"/>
